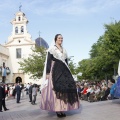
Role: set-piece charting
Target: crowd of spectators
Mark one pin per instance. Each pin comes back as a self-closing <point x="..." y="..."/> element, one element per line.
<point x="90" y="91"/>
<point x="96" y="91"/>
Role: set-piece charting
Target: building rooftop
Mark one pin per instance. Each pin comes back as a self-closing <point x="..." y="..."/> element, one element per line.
<point x="41" y="42"/>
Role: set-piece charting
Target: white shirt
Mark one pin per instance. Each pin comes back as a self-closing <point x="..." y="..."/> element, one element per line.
<point x="27" y="86"/>
<point x="97" y="91"/>
<point x="90" y="90"/>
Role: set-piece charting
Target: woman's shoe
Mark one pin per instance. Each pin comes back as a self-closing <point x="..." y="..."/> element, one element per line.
<point x="63" y="114"/>
<point x="6" y="109"/>
<point x="59" y="115"/>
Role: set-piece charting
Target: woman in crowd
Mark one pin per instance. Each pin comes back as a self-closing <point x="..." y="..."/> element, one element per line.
<point x="113" y="88"/>
<point x="117" y="90"/>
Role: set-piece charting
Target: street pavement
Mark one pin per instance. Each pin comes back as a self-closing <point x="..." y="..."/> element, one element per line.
<point x="106" y="110"/>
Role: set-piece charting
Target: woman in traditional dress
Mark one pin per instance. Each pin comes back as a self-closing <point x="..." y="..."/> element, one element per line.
<point x="58" y="91"/>
<point x="117" y="88"/>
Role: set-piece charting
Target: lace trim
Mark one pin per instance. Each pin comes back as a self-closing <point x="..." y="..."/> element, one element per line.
<point x="57" y="54"/>
<point x="63" y="83"/>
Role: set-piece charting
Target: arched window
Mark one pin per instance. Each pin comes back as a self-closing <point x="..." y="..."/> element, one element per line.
<point x="16" y="29"/>
<point x="19" y="18"/>
<point x="18" y="53"/>
<point x="22" y="29"/>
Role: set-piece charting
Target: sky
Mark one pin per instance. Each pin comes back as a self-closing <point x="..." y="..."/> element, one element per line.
<point x="81" y="22"/>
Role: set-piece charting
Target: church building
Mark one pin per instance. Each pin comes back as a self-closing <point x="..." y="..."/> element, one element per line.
<point x="18" y="46"/>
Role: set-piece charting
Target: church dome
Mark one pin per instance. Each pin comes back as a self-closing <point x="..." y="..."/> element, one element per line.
<point x="41" y="42"/>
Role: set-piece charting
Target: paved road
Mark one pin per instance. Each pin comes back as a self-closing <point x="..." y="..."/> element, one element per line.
<point x="108" y="110"/>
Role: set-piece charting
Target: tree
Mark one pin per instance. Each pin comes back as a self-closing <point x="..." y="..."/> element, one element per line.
<point x="34" y="64"/>
<point x="104" y="54"/>
<point x="72" y="66"/>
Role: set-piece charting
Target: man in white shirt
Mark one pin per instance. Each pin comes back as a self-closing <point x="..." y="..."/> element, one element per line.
<point x="27" y="88"/>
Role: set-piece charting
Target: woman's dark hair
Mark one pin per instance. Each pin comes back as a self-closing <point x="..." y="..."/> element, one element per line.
<point x="56" y="36"/>
<point x="112" y="80"/>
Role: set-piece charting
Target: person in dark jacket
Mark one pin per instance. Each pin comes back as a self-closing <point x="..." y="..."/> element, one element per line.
<point x="3" y="101"/>
<point x="107" y="92"/>
<point x="1" y="98"/>
<point x="4" y="73"/>
<point x="30" y="92"/>
<point x="18" y="92"/>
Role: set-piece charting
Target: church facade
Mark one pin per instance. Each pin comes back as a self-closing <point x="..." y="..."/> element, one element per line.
<point x="18" y="46"/>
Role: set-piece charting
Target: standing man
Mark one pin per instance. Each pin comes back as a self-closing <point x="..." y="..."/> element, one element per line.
<point x="30" y="92"/>
<point x="27" y="88"/>
<point x="18" y="92"/>
<point x="4" y="96"/>
<point x="34" y="93"/>
<point x="4" y="73"/>
<point x="1" y="98"/>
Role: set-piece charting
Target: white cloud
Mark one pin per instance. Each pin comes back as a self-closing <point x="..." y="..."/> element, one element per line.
<point x="74" y="7"/>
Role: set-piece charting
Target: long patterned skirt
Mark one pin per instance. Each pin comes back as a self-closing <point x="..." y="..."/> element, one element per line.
<point x="50" y="102"/>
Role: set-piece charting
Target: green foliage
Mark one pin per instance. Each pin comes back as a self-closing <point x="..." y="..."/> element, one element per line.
<point x="104" y="54"/>
<point x="34" y="64"/>
<point x="72" y="66"/>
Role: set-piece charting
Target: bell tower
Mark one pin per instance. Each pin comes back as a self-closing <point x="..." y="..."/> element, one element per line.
<point x="19" y="29"/>
<point x="19" y="24"/>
